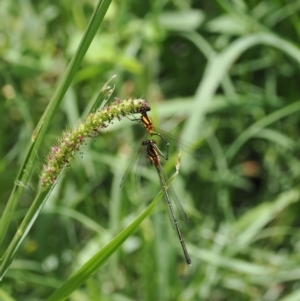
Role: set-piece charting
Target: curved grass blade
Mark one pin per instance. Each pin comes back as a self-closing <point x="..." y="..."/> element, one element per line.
<point x="217" y="69"/>
<point x="90" y="267"/>
<point x="259" y="125"/>
<point x="103" y="96"/>
<point x="39" y="132"/>
<point x="23" y="230"/>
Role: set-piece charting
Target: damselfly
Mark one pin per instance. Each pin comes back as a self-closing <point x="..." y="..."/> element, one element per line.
<point x="153" y="154"/>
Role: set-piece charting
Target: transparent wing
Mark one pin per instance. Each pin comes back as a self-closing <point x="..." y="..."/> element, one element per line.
<point x="178" y="204"/>
<point x="183" y="145"/>
<point x="141" y="162"/>
<point x="169" y="191"/>
<point x="136" y="157"/>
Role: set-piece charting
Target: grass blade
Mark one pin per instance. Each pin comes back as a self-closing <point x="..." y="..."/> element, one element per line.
<point x="90" y="267"/>
<point x="39" y="133"/>
<point x="259" y="125"/>
<point x="217" y="69"/>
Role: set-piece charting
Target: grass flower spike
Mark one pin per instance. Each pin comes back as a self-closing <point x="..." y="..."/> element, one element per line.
<point x="61" y="154"/>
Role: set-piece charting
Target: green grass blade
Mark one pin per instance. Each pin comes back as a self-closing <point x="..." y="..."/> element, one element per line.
<point x="294" y="296"/>
<point x="277" y="137"/>
<point x="217" y="69"/>
<point x="236" y="265"/>
<point x="5" y="296"/>
<point x="87" y="270"/>
<point x="103" y="96"/>
<point x="251" y="223"/>
<point x="39" y="133"/>
<point x="259" y="125"/>
<point x="23" y="230"/>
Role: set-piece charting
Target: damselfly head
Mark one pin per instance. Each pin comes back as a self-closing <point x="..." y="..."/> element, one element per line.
<point x="144" y="108"/>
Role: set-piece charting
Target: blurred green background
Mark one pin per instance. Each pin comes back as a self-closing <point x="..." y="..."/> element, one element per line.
<point x="224" y="75"/>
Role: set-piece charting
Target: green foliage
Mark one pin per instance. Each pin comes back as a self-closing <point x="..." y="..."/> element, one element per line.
<point x="224" y="74"/>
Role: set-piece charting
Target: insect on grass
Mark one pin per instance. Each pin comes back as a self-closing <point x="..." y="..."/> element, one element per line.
<point x="153" y="154"/>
